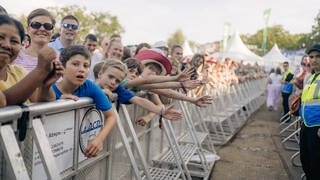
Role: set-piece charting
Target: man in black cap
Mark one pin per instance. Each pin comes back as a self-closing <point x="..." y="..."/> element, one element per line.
<point x="310" y="114"/>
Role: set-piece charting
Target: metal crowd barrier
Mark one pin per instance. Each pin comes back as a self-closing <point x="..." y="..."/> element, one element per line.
<point x="53" y="136"/>
<point x="289" y="134"/>
<point x="232" y="108"/>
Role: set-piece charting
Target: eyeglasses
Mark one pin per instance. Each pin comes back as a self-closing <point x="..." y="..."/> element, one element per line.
<point x="70" y="26"/>
<point x="37" y="25"/>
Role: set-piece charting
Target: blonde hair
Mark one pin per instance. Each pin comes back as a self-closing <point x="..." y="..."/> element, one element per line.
<point x="103" y="66"/>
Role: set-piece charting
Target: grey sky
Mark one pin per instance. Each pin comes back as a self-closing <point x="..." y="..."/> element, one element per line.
<point x="201" y="20"/>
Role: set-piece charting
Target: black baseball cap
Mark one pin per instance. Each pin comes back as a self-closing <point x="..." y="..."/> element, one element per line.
<point x="315" y="47"/>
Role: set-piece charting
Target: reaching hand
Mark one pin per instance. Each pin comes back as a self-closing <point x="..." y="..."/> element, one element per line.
<point x="55" y="73"/>
<point x="46" y="56"/>
<point x="69" y="96"/>
<point x="143" y="120"/>
<point x="203" y="101"/>
<point x="185" y="74"/>
<point x="108" y="93"/>
<point x="93" y="148"/>
<point x="191" y="84"/>
<point x="171" y="113"/>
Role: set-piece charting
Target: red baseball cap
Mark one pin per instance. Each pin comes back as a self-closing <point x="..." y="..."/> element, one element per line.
<point x="150" y="55"/>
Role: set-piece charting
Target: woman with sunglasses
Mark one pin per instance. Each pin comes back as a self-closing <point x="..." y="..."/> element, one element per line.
<point x="18" y="85"/>
<point x="40" y="29"/>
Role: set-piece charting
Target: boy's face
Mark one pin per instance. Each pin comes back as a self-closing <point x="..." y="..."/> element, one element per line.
<point x="91" y="45"/>
<point x="178" y="54"/>
<point x="77" y="69"/>
<point x="285" y="66"/>
<point x="133" y="73"/>
<point x="150" y="69"/>
<point x="111" y="78"/>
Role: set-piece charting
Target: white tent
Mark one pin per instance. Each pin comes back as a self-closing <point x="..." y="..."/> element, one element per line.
<point x="274" y="57"/>
<point x="186" y="49"/>
<point x="238" y="51"/>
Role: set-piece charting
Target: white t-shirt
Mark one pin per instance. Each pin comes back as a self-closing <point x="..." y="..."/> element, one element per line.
<point x="275" y="78"/>
<point x="95" y="59"/>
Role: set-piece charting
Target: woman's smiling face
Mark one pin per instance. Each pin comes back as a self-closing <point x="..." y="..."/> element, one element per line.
<point x="10" y="44"/>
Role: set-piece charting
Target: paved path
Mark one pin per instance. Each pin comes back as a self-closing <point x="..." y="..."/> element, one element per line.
<point x="255" y="153"/>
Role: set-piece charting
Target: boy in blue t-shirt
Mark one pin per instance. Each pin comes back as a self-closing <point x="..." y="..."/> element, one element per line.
<point x="76" y="61"/>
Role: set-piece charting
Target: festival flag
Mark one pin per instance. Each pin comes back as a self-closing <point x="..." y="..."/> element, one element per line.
<point x="226" y="30"/>
<point x="266" y="15"/>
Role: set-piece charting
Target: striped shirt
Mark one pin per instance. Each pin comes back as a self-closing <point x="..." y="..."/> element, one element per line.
<point x="26" y="61"/>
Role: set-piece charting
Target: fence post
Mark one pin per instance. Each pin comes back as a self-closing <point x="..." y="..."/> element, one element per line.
<point x="12" y="153"/>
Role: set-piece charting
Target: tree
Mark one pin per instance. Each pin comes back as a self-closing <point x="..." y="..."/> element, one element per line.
<point x="101" y="24"/>
<point x="176" y="38"/>
<point x="276" y="35"/>
<point x="314" y="36"/>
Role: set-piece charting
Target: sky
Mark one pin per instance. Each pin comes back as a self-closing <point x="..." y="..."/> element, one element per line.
<point x="200" y="20"/>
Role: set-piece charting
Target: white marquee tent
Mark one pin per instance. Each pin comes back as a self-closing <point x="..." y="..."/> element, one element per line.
<point x="238" y="51"/>
<point x="186" y="49"/>
<point x="274" y="57"/>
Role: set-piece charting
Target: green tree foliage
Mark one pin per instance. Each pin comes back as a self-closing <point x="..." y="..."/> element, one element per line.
<point x="101" y="24"/>
<point x="275" y="35"/>
<point x="176" y="38"/>
<point x="314" y="36"/>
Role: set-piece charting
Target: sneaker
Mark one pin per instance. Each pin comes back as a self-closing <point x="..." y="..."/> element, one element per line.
<point x="270" y="108"/>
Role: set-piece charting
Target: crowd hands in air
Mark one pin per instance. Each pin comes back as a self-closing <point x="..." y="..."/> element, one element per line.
<point x="38" y="66"/>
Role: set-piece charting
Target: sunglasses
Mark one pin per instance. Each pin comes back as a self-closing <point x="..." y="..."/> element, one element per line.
<point x="303" y="64"/>
<point x="70" y="26"/>
<point x="37" y="25"/>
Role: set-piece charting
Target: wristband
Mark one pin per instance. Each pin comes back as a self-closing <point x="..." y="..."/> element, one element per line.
<point x="183" y="88"/>
<point x="162" y="111"/>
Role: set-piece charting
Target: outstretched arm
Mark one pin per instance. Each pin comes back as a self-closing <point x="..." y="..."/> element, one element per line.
<point x="159" y="79"/>
<point x="199" y="101"/>
<point x="189" y="84"/>
<point x="168" y="113"/>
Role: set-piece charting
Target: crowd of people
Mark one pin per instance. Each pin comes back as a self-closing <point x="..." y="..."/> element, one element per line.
<point x="39" y="66"/>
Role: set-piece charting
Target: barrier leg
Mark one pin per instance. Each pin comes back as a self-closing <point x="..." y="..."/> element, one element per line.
<point x="12" y="153"/>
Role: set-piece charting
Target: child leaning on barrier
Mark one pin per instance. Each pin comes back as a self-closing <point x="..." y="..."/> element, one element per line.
<point x="76" y="62"/>
<point x="134" y="71"/>
<point x="108" y="76"/>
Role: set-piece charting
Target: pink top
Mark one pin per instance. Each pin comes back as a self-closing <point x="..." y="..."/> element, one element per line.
<point x="26" y="61"/>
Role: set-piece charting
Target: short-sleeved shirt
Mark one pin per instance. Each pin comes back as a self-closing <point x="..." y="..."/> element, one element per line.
<point x="95" y="59"/>
<point x="88" y="89"/>
<point x="124" y="95"/>
<point x="26" y="61"/>
<point x="56" y="45"/>
<point x="15" y="74"/>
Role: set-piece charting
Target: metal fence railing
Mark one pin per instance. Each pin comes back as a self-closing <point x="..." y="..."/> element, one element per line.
<point x="46" y="140"/>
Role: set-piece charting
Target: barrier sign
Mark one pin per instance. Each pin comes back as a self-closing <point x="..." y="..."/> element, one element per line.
<point x="60" y="129"/>
<point x="90" y="126"/>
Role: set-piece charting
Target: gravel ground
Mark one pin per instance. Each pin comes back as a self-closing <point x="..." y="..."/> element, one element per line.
<point x="255" y="153"/>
